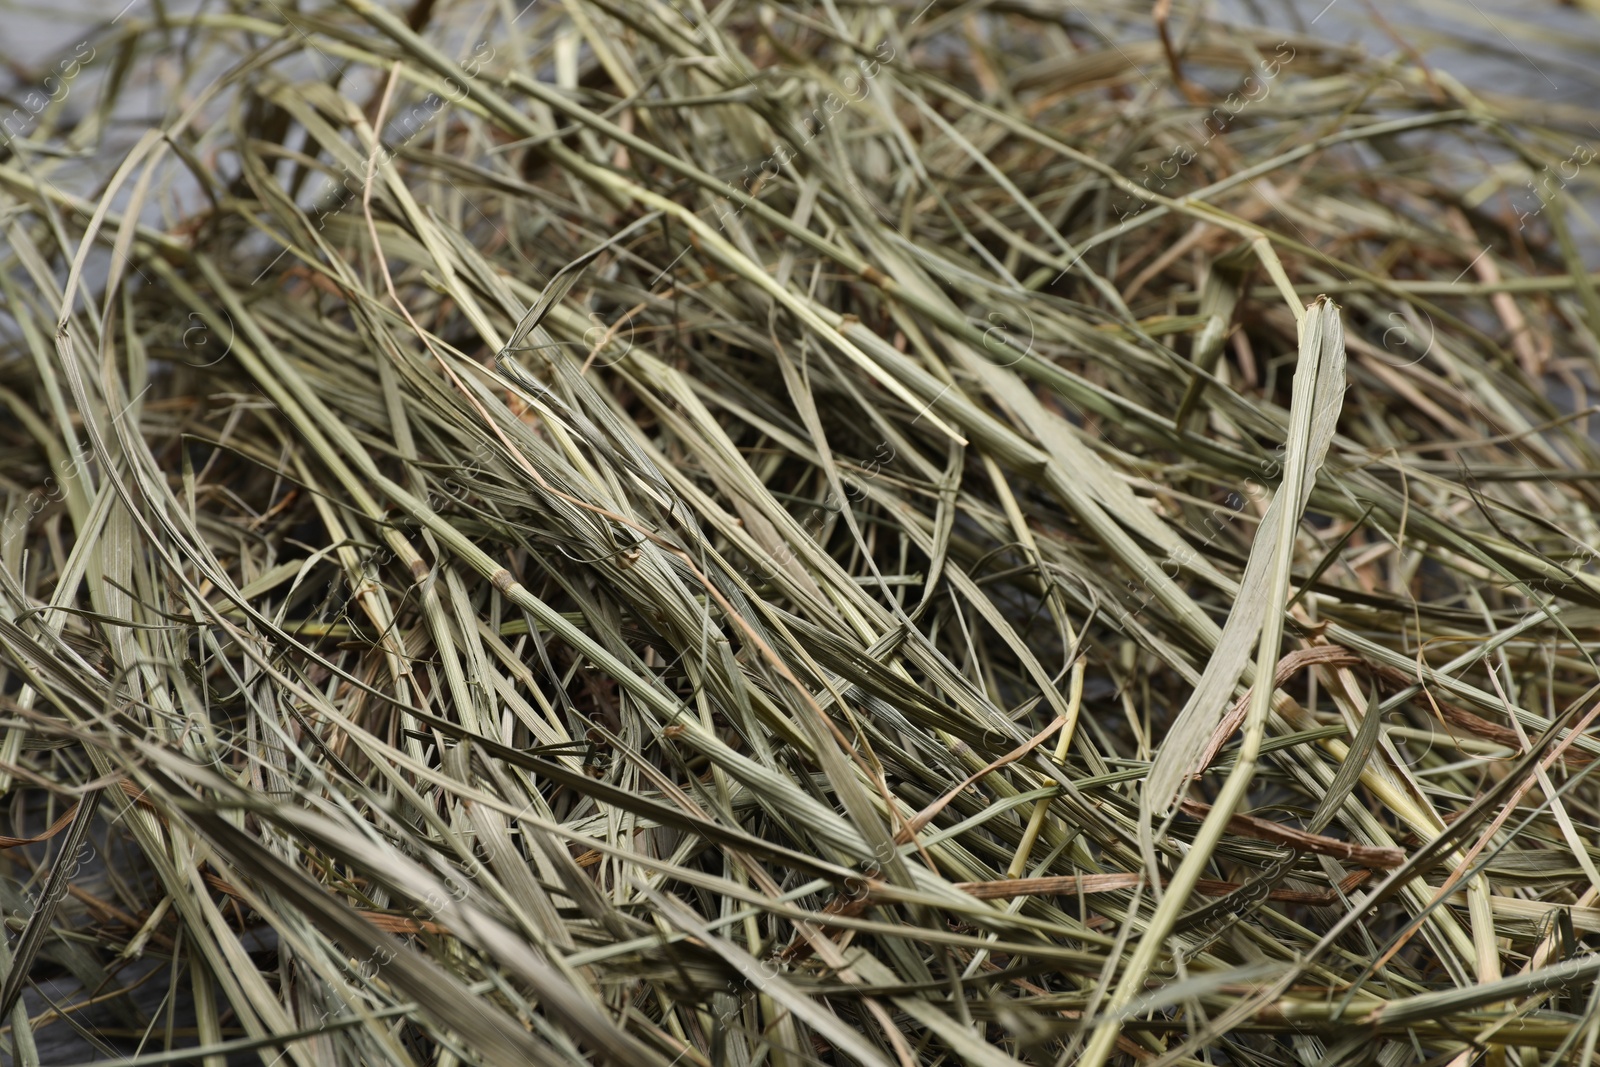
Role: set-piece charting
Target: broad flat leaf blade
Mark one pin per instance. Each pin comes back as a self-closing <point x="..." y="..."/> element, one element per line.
<point x="1314" y="414"/>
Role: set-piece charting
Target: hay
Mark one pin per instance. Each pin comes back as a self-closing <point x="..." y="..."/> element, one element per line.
<point x="619" y="532"/>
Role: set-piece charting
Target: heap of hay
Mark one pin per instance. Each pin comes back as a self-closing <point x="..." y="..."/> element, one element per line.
<point x="654" y="534"/>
